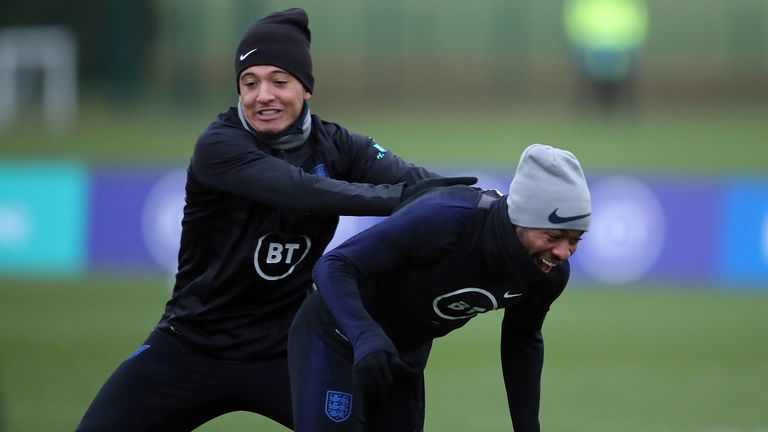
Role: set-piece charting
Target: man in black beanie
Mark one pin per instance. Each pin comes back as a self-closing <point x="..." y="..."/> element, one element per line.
<point x="265" y="185"/>
<point x="281" y="39"/>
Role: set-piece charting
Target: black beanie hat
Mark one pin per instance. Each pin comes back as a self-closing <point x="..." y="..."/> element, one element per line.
<point x="279" y="39"/>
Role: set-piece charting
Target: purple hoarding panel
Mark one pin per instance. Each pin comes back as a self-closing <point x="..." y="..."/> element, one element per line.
<point x="117" y="198"/>
<point x="649" y="230"/>
<point x="626" y="234"/>
<point x="693" y="231"/>
<point x="135" y="219"/>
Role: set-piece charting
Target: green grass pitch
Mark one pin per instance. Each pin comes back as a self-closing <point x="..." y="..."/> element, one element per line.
<point x="708" y="140"/>
<point x="656" y="359"/>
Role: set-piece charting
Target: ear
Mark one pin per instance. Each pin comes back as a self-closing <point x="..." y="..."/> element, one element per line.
<point x="519" y="231"/>
<point x="307" y="95"/>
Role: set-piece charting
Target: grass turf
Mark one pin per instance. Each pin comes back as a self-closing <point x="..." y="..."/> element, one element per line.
<point x="655" y="359"/>
<point x="668" y="140"/>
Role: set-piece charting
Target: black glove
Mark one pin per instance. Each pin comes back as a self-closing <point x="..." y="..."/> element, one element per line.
<point x="422" y="185"/>
<point x="375" y="372"/>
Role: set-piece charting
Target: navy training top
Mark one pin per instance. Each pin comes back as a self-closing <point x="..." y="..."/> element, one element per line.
<point x="431" y="267"/>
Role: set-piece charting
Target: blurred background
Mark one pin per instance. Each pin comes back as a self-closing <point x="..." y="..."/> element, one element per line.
<point x="665" y="103"/>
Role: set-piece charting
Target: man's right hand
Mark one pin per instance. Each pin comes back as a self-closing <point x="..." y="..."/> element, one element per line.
<point x="375" y="372"/>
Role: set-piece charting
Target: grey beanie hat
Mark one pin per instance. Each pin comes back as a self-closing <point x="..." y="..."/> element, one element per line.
<point x="549" y="190"/>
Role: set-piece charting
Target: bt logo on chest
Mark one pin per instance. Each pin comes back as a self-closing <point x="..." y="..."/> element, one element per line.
<point x="464" y="303"/>
<point x="277" y="256"/>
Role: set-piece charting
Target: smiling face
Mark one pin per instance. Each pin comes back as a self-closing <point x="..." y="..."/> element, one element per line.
<point x="272" y="98"/>
<point x="548" y="247"/>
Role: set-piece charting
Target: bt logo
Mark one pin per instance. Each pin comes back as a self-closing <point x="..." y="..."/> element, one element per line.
<point x="276" y="256"/>
<point x="468" y="309"/>
<point x="275" y="252"/>
<point x="464" y="303"/>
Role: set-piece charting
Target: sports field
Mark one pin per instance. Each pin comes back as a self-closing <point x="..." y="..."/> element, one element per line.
<point x="654" y="359"/>
<point x="660" y="358"/>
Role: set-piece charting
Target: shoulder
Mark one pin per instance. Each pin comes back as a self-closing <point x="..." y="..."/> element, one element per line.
<point x="225" y="123"/>
<point x="225" y="133"/>
<point x="440" y="207"/>
<point x="334" y="133"/>
<point x="458" y="196"/>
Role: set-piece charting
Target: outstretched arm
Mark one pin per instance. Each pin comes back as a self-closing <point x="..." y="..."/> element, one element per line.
<point x="383" y="247"/>
<point x="522" y="360"/>
<point x="414" y="236"/>
<point x="375" y="184"/>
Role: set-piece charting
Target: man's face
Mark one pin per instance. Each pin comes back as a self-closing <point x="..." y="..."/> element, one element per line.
<point x="548" y="247"/>
<point x="272" y="98"/>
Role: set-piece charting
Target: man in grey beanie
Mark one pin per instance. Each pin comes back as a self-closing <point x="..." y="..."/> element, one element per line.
<point x="359" y="344"/>
<point x="549" y="191"/>
<point x="265" y="186"/>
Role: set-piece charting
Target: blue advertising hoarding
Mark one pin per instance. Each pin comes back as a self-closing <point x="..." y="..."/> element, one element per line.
<point x="43" y="219"/>
<point x="66" y="219"/>
<point x="743" y="256"/>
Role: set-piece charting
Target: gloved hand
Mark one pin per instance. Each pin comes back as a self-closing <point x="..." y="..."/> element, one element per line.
<point x="375" y="372"/>
<point x="422" y="185"/>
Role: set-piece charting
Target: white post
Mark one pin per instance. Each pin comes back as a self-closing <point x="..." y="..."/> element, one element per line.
<point x="52" y="50"/>
<point x="9" y="64"/>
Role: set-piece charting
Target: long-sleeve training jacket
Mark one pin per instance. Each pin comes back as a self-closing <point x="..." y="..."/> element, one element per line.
<point x="427" y="270"/>
<point x="255" y="222"/>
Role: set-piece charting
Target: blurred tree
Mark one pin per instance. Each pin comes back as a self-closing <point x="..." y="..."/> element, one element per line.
<point x="383" y="58"/>
<point x="508" y="49"/>
<point x="114" y="38"/>
<point x="747" y="37"/>
<point x="129" y="35"/>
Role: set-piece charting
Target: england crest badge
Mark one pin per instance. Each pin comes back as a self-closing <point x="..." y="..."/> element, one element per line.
<point x="338" y="405"/>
